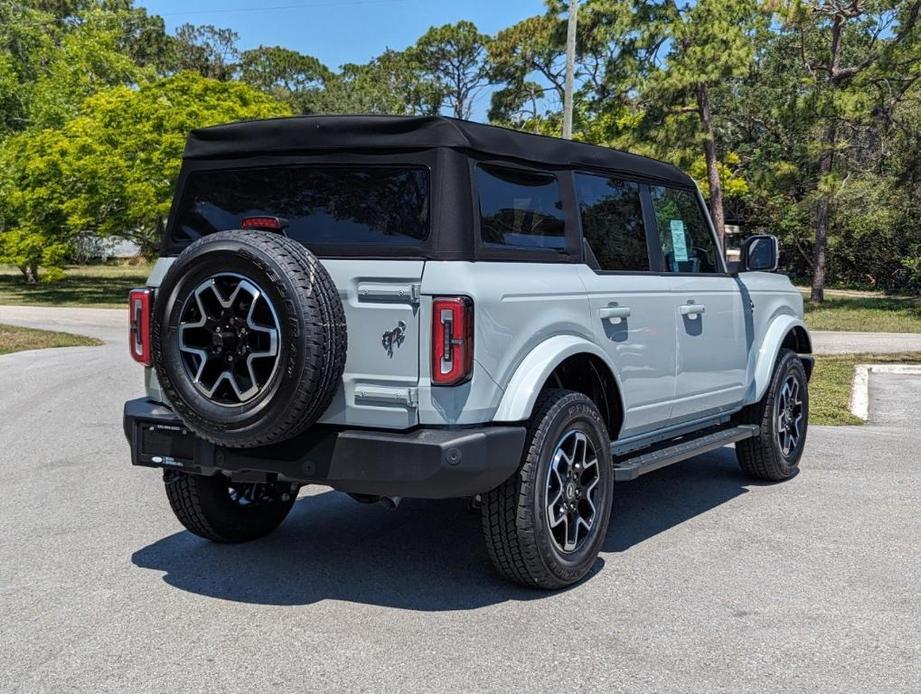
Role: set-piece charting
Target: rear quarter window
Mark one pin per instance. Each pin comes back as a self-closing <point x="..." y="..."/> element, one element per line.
<point x="324" y="206"/>
<point x="520" y="209"/>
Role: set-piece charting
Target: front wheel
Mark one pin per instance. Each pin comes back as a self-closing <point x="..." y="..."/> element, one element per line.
<point x="545" y="525"/>
<point x="223" y="511"/>
<point x="783" y="415"/>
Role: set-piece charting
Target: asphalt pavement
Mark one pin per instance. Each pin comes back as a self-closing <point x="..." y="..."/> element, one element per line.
<point x="707" y="581"/>
<point x="895" y="399"/>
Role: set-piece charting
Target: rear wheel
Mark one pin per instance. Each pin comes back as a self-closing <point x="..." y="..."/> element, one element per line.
<point x="783" y="415"/>
<point x="223" y="511"/>
<point x="544" y="526"/>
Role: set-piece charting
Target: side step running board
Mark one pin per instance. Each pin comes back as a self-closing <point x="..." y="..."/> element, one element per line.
<point x="626" y="469"/>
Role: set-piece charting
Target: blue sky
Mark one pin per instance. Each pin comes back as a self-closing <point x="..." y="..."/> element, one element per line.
<point x="339" y="31"/>
<point x="342" y="31"/>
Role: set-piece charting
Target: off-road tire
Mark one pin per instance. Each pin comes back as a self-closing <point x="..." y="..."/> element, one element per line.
<point x="514" y="515"/>
<point x="312" y="339"/>
<point x="761" y="457"/>
<point x="205" y="507"/>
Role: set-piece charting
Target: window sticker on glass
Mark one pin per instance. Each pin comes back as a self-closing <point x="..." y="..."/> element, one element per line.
<point x="679" y="240"/>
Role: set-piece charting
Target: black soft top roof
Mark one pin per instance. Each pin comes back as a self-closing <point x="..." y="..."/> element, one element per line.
<point x="362" y="133"/>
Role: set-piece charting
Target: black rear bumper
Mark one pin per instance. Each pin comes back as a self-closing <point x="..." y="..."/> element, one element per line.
<point x="424" y="463"/>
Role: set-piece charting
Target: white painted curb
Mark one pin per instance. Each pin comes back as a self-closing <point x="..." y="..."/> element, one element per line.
<point x="860" y="390"/>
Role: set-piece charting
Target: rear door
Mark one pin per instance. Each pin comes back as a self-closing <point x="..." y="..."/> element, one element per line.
<point x="629" y="302"/>
<point x="706" y="306"/>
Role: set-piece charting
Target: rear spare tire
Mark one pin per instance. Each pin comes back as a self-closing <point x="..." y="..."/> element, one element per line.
<point x="248" y="337"/>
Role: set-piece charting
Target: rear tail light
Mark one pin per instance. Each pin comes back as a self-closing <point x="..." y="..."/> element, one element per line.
<point x="140" y="302"/>
<point x="452" y="340"/>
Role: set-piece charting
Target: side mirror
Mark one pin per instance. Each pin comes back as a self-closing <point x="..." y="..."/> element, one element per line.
<point x="760" y="253"/>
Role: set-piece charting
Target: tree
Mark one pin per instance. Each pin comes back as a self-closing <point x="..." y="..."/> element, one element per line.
<point x="288" y="75"/>
<point x="528" y="59"/>
<point x="144" y="38"/>
<point x="87" y="58"/>
<point x="847" y="49"/>
<point x="710" y="42"/>
<point x="112" y="169"/>
<point x="614" y="51"/>
<point x="33" y="195"/>
<point x="48" y="66"/>
<point x="392" y="83"/>
<point x="25" y="47"/>
<point x="453" y="56"/>
<point x="208" y="50"/>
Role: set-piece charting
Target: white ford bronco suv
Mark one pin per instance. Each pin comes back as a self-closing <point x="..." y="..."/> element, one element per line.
<point x="427" y="307"/>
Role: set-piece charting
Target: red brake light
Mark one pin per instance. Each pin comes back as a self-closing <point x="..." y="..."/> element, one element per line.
<point x="264" y="223"/>
<point x="140" y="302"/>
<point x="452" y="340"/>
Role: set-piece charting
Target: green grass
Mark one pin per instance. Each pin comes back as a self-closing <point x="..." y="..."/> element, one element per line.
<point x="16" y="339"/>
<point x="868" y="314"/>
<point x="830" y="387"/>
<point x="89" y="286"/>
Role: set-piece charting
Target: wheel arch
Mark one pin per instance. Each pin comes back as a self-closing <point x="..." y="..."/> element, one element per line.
<point x="564" y="361"/>
<point x="785" y="332"/>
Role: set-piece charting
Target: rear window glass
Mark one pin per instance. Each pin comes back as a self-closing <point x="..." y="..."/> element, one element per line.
<point x="323" y="205"/>
<point x="519" y="208"/>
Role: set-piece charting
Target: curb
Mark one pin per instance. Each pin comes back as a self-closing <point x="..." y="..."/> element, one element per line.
<point x="860" y="388"/>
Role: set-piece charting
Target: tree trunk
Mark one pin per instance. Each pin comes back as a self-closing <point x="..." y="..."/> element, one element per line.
<point x="713" y="173"/>
<point x="30" y="272"/>
<point x="817" y="295"/>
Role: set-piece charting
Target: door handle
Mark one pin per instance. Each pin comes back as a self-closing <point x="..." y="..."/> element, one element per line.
<point x="692" y="310"/>
<point x="614" y="312"/>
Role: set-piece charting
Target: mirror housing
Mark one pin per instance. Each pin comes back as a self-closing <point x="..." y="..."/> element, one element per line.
<point x="760" y="253"/>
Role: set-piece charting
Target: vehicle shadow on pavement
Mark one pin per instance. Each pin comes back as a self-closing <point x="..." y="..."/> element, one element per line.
<point x="427" y="555"/>
<point x="660" y="500"/>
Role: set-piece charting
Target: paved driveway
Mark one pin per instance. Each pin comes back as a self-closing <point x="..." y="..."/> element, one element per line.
<point x="707" y="581"/>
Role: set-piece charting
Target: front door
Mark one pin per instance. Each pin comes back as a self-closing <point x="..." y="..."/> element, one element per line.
<point x="706" y="305"/>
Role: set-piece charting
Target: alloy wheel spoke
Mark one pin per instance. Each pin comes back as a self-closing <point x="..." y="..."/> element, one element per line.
<point x="789" y="415"/>
<point x="228" y="327"/>
<point x="572" y="483"/>
<point x="572" y="534"/>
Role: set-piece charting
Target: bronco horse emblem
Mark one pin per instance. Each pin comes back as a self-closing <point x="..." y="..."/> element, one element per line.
<point x="394" y="338"/>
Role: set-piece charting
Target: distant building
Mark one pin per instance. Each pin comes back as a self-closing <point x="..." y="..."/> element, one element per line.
<point x="89" y="247"/>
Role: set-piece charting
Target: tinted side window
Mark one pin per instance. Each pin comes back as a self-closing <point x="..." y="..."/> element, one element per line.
<point x="519" y="208"/>
<point x="340" y="205"/>
<point x="612" y="222"/>
<point x="687" y="244"/>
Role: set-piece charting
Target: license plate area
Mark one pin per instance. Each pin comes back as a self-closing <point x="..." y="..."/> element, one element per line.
<point x="163" y="445"/>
